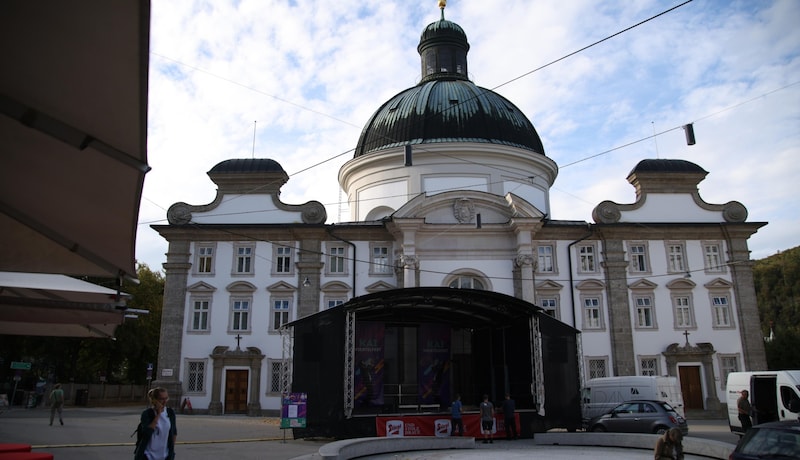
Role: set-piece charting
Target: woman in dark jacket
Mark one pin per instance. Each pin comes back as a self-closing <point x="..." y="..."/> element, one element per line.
<point x="670" y="446"/>
<point x="157" y="429"/>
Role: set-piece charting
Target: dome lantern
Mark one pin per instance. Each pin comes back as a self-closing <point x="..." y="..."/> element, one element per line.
<point x="443" y="50"/>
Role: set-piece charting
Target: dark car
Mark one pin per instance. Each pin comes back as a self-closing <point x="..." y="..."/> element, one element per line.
<point x="769" y="441"/>
<point x="641" y="416"/>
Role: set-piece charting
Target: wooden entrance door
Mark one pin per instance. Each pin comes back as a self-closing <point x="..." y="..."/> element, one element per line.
<point x="691" y="387"/>
<point x="236" y="392"/>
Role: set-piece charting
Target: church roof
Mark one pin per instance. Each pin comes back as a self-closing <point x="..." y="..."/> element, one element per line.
<point x="446" y="106"/>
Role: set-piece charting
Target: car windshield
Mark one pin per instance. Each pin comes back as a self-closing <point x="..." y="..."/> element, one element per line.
<point x="667" y="407"/>
<point x="771" y="442"/>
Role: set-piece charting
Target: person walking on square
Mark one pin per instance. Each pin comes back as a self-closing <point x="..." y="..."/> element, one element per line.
<point x="158" y="429"/>
<point x="455" y="416"/>
<point x="56" y="403"/>
<point x="509" y="407"/>
<point x="487" y="419"/>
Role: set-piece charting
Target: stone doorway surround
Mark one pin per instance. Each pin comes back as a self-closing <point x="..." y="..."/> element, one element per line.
<point x="223" y="357"/>
<point x="701" y="353"/>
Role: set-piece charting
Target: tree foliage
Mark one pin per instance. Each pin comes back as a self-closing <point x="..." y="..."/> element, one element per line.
<point x="122" y="359"/>
<point x="777" y="284"/>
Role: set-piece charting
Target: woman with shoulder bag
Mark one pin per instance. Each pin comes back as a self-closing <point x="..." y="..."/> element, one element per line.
<point x="157" y="429"/>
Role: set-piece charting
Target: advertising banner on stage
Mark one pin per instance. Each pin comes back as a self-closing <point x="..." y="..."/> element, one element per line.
<point x="369" y="364"/>
<point x="438" y="425"/>
<point x="434" y="364"/>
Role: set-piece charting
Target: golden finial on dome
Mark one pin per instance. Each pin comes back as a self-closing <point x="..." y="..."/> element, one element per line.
<point x="442" y="4"/>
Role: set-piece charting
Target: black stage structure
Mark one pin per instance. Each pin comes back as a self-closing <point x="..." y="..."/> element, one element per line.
<point x="409" y="351"/>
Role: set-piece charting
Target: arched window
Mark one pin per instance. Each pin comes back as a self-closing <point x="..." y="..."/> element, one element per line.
<point x="467" y="282"/>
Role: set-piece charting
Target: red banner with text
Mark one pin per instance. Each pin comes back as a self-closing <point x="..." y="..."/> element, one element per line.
<point x="439" y="425"/>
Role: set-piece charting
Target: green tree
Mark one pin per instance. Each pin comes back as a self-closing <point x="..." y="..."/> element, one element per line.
<point x="777" y="283"/>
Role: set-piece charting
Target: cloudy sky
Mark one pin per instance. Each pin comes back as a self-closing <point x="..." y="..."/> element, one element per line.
<point x="296" y="81"/>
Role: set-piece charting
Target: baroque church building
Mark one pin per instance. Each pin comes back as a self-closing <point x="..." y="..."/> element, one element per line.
<point x="449" y="189"/>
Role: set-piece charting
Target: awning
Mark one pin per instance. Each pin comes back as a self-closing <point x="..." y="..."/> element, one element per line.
<point x="73" y="134"/>
<point x="57" y="305"/>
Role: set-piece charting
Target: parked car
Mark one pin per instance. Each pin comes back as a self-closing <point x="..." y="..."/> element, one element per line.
<point x="773" y="440"/>
<point x="641" y="416"/>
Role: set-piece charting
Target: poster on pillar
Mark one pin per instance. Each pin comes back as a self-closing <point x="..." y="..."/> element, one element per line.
<point x="369" y="360"/>
<point x="434" y="364"/>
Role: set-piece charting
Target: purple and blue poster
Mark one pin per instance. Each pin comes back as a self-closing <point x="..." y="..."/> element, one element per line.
<point x="369" y="364"/>
<point x="293" y="410"/>
<point x="434" y="364"/>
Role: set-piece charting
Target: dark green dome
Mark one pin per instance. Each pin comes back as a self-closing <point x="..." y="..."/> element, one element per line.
<point x="446" y="106"/>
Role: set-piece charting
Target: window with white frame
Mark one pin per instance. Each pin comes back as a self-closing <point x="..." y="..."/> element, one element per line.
<point x="545" y="262"/>
<point x="648" y="365"/>
<point x="550" y="306"/>
<point x="336" y="260"/>
<point x="282" y="255"/>
<point x="195" y="376"/>
<point x="275" y="377"/>
<point x="331" y="303"/>
<point x="676" y="259"/>
<point x="381" y="260"/>
<point x="712" y="257"/>
<point x="645" y="313"/>
<point x="721" y="311"/>
<point x="592" y="313"/>
<point x="683" y="312"/>
<point x="201" y="308"/>
<point x="597" y="367"/>
<point x="240" y="314"/>
<point x="281" y="312"/>
<point x="243" y="259"/>
<point x="467" y="282"/>
<point x="205" y="258"/>
<point x="637" y="252"/>
<point x="727" y="364"/>
<point x="587" y="262"/>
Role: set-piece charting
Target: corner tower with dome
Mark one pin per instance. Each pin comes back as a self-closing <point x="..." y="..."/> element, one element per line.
<point x="451" y="277"/>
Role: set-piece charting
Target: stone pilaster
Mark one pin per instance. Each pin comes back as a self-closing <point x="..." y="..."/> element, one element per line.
<point x="309" y="266"/>
<point x="748" y="321"/>
<point x="619" y="310"/>
<point x="176" y="270"/>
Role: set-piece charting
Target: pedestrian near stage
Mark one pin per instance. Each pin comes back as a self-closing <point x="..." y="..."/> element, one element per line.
<point x="56" y="403"/>
<point x="744" y="408"/>
<point x="509" y="408"/>
<point x="455" y="417"/>
<point x="670" y="446"/>
<point x="157" y="429"/>
<point x="487" y="419"/>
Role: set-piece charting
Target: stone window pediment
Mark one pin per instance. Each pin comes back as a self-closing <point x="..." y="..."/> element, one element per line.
<point x="549" y="285"/>
<point x="281" y="287"/>
<point x="591" y="285"/>
<point x="643" y="285"/>
<point x="241" y="286"/>
<point x="201" y="287"/>
<point x="719" y="283"/>
<point x="334" y="287"/>
<point x="681" y="283"/>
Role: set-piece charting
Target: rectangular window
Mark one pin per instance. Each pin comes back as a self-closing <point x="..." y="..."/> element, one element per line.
<point x="597" y="368"/>
<point x="721" y="311"/>
<point x="648" y="365"/>
<point x="683" y="313"/>
<point x="550" y="306"/>
<point x="205" y="259"/>
<point x="283" y="259"/>
<point x="591" y="313"/>
<point x="587" y="260"/>
<point x="196" y="378"/>
<point x="644" y="312"/>
<point x="713" y="259"/>
<point x="200" y="310"/>
<point x="240" y="315"/>
<point x="334" y="302"/>
<point x="638" y="257"/>
<point x="727" y="364"/>
<point x="675" y="258"/>
<point x="244" y="259"/>
<point x="545" y="259"/>
<point x="380" y="260"/>
<point x="336" y="260"/>
<point x="275" y="377"/>
<point x="280" y="313"/>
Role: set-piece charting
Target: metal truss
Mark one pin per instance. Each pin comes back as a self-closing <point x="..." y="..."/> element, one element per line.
<point x="537" y="358"/>
<point x="349" y="362"/>
<point x="287" y="340"/>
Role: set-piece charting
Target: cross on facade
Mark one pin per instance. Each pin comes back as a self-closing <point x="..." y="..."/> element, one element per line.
<point x="686" y="334"/>
<point x="238" y="339"/>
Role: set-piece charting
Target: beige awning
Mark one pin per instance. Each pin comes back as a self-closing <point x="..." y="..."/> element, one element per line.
<point x="73" y="134"/>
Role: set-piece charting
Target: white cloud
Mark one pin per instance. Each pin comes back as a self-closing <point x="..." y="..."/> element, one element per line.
<point x="312" y="73"/>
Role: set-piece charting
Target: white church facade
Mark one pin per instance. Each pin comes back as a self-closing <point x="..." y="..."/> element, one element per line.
<point x="456" y="197"/>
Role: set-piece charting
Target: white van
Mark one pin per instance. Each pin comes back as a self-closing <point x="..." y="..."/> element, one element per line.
<point x="774" y="395"/>
<point x="600" y="395"/>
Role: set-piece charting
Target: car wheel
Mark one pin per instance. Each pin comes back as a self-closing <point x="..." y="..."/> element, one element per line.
<point x="660" y="430"/>
<point x="599" y="429"/>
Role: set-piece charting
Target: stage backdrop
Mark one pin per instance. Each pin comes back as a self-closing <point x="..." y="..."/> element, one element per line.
<point x="369" y="364"/>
